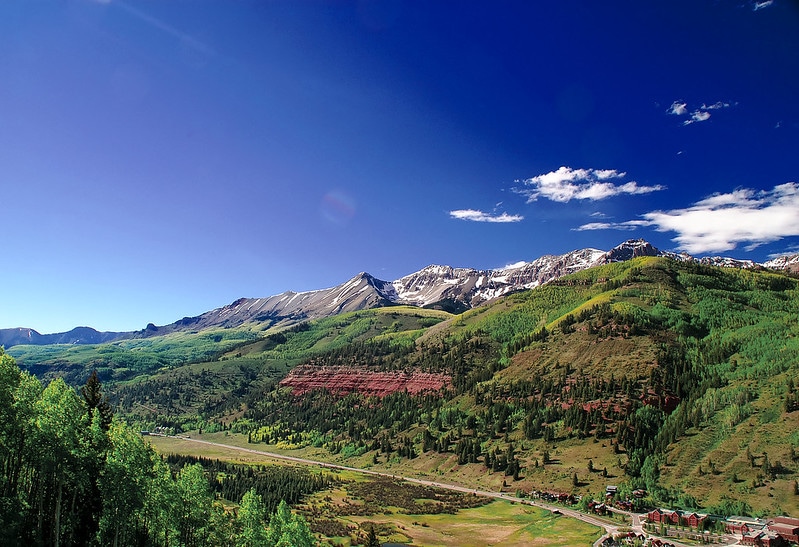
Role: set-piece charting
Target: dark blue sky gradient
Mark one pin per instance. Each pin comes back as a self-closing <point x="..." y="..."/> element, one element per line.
<point x="159" y="159"/>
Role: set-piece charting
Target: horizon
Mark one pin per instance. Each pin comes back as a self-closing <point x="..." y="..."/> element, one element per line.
<point x="507" y="266"/>
<point x="161" y="160"/>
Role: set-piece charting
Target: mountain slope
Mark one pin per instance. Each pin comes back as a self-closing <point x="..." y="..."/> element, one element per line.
<point x="658" y="371"/>
<point x="78" y="335"/>
<point x="655" y="372"/>
<point x="440" y="286"/>
<point x="789" y="263"/>
<point x="361" y="292"/>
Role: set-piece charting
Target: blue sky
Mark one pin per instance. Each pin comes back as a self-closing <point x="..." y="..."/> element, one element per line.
<point x="162" y="158"/>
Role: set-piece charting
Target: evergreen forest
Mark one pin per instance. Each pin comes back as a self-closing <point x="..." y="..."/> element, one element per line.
<point x="674" y="378"/>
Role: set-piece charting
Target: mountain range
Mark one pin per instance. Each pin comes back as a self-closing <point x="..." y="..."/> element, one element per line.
<point x="648" y="369"/>
<point x="435" y="286"/>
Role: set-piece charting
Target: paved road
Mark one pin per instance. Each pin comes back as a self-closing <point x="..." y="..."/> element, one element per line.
<point x="609" y="528"/>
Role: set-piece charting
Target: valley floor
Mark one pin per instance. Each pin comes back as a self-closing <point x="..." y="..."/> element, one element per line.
<point x="510" y="520"/>
<point x="507" y="521"/>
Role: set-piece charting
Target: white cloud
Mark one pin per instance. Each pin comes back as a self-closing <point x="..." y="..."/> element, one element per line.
<point x="721" y="222"/>
<point x="701" y="114"/>
<point x="604" y="174"/>
<point x="762" y="5"/>
<point x="567" y="184"/>
<point x="697" y="116"/>
<point x="628" y="225"/>
<point x="480" y="216"/>
<point x="678" y="109"/>
<point x="715" y="106"/>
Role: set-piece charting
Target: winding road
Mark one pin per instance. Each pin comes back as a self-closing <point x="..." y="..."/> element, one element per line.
<point x="610" y="529"/>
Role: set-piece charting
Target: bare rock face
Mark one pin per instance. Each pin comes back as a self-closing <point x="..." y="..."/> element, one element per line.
<point x="632" y="248"/>
<point x="344" y="380"/>
<point x="444" y="287"/>
<point x="361" y="292"/>
<point x="789" y="263"/>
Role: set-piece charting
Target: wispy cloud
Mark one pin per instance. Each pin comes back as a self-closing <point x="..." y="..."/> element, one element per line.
<point x="762" y="5"/>
<point x="678" y="108"/>
<point x="697" y="116"/>
<point x="567" y="184"/>
<point x="793" y="249"/>
<point x="722" y="222"/>
<point x="480" y="216"/>
<point x="605" y="226"/>
<point x="627" y="225"/>
<point x="715" y="106"/>
<point x="183" y="37"/>
<point x="700" y="114"/>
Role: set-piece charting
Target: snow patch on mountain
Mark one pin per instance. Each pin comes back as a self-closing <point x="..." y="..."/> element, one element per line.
<point x="434" y="285"/>
<point x="787" y="262"/>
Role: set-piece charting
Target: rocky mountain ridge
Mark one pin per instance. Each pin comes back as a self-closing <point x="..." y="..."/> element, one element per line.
<point x="440" y="286"/>
<point x="788" y="263"/>
<point x="78" y="335"/>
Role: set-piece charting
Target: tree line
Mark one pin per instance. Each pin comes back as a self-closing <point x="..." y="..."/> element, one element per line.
<point x="71" y="474"/>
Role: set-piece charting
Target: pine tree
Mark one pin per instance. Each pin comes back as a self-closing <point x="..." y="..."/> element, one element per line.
<point x="371" y="538"/>
<point x="95" y="400"/>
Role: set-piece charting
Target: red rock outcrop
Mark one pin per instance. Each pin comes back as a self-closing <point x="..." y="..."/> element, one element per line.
<point x="344" y="380"/>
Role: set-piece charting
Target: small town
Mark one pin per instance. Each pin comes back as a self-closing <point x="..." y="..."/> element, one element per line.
<point x="660" y="527"/>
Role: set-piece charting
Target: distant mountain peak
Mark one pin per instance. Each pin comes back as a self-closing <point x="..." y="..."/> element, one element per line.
<point x="435" y="285"/>
<point x="78" y="335"/>
<point x="786" y="262"/>
<point x="633" y="248"/>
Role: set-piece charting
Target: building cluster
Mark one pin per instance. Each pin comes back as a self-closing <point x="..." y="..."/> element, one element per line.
<point x="677" y="518"/>
<point x="627" y="538"/>
<point x="159" y="431"/>
<point x="775" y="532"/>
<point x="559" y="497"/>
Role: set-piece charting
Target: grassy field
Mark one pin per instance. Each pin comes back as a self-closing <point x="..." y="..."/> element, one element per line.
<point x="570" y="457"/>
<point x="498" y="523"/>
<point x="353" y="508"/>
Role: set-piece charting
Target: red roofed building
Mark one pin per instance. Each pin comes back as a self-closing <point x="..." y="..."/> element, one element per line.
<point x="665" y="515"/>
<point x="694" y="520"/>
<point x="786" y="527"/>
<point x="763" y="538"/>
<point x="743" y="525"/>
<point x="656" y="515"/>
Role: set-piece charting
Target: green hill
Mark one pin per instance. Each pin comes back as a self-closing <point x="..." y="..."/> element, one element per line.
<point x="652" y="373"/>
<point x="670" y="376"/>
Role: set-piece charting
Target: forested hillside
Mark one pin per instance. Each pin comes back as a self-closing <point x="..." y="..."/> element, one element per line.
<point x="72" y="474"/>
<point x="675" y="377"/>
<point x="655" y="372"/>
